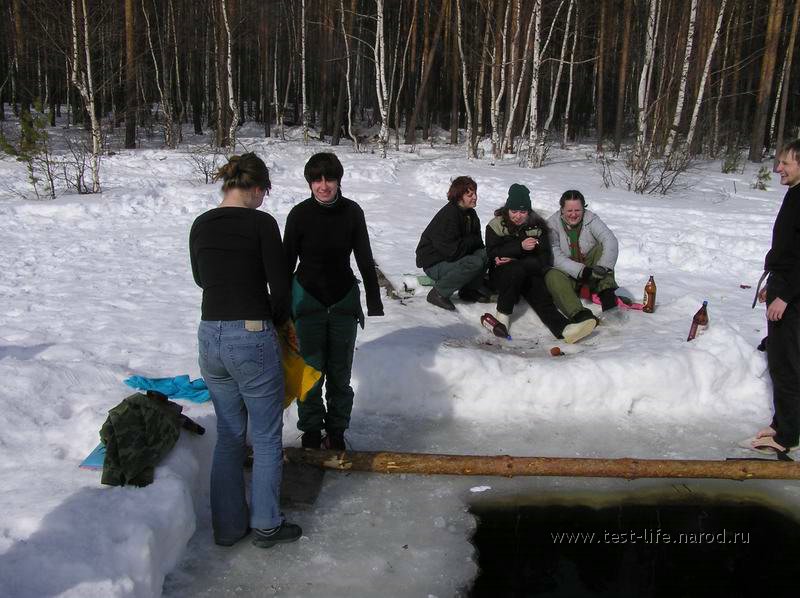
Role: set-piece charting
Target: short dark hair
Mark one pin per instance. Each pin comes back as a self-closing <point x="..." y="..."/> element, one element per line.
<point x="792" y="147"/>
<point x="571" y="194"/>
<point x="459" y="187"/>
<point x="244" y="172"/>
<point x="323" y="164"/>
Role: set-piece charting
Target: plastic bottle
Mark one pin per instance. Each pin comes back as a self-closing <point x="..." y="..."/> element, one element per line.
<point x="699" y="320"/>
<point x="649" y="300"/>
<point x="489" y="322"/>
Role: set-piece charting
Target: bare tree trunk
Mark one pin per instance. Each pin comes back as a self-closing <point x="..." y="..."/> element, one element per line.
<point x="471" y="148"/>
<point x="765" y="82"/>
<point x="515" y="86"/>
<point x="345" y="35"/>
<point x="721" y="89"/>
<point x="556" y="84"/>
<point x="233" y="105"/>
<point x="627" y="17"/>
<point x="787" y="70"/>
<point x="456" y="75"/>
<point x="411" y="29"/>
<point x="163" y="90"/>
<point x="411" y="127"/>
<point x="568" y="103"/>
<point x="130" y="77"/>
<point x="498" y="72"/>
<point x="379" y="53"/>
<point x="303" y="68"/>
<point x="484" y="60"/>
<point x="687" y="54"/>
<point x="535" y="155"/>
<point x="601" y="74"/>
<point x="181" y="110"/>
<point x="82" y="80"/>
<point x="641" y="155"/>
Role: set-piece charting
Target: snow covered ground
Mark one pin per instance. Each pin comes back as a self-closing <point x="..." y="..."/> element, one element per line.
<point x="96" y="288"/>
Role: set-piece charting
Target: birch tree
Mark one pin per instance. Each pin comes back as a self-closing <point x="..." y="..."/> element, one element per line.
<point x="640" y="156"/>
<point x="471" y="147"/>
<point x="568" y="102"/>
<point x="701" y="88"/>
<point x="687" y="54"/>
<point x="556" y="84"/>
<point x="498" y="84"/>
<point x="81" y="77"/>
<point x="345" y="36"/>
<point x="379" y="53"/>
<point x="232" y="103"/>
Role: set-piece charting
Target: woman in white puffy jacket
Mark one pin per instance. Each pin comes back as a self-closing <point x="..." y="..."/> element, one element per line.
<point x="584" y="253"/>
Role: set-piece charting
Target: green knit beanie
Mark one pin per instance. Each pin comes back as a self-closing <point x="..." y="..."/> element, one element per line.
<point x="519" y="198"/>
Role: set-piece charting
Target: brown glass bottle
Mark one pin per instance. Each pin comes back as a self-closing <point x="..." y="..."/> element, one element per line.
<point x="491" y="323"/>
<point x="649" y="300"/>
<point x="700" y="319"/>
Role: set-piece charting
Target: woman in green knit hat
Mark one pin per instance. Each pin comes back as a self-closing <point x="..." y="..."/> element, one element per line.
<point x="518" y="248"/>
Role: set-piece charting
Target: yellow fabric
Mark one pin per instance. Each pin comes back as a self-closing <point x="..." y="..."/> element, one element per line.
<point x="298" y="376"/>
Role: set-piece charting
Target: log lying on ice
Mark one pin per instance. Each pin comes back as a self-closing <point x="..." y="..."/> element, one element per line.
<point x="504" y="465"/>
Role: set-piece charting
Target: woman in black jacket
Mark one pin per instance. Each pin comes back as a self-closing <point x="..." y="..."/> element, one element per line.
<point x="519" y="254"/>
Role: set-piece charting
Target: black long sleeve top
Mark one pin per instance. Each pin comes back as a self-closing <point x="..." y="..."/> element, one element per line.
<point x="321" y="238"/>
<point x="239" y="262"/>
<point x="783" y="259"/>
<point x="451" y="234"/>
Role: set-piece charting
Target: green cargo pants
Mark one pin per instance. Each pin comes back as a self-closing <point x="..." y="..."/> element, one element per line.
<point x="564" y="289"/>
<point x="465" y="273"/>
<point x="327" y="336"/>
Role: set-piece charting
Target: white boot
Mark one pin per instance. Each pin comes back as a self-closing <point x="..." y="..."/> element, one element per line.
<point x="575" y="332"/>
<point x="504" y="320"/>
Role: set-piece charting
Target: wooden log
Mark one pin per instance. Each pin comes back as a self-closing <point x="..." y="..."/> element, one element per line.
<point x="507" y="466"/>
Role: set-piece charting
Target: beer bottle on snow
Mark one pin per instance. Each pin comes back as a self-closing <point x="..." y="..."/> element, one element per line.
<point x="699" y="319"/>
<point x="649" y="300"/>
<point x="497" y="328"/>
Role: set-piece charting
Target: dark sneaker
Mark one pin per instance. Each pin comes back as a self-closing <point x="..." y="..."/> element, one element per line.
<point x="472" y="296"/>
<point x="230" y="541"/>
<point x="311" y="439"/>
<point x="284" y="533"/>
<point x="334" y="440"/>
<point x="439" y="300"/>
<point x="608" y="299"/>
<point x="582" y="316"/>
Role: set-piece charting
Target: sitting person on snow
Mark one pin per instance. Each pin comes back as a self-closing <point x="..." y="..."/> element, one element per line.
<point x="451" y="250"/>
<point x="519" y="252"/>
<point x="584" y="253"/>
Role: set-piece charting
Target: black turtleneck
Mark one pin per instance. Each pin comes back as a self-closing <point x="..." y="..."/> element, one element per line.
<point x="783" y="259"/>
<point x="235" y="254"/>
<point x="322" y="237"/>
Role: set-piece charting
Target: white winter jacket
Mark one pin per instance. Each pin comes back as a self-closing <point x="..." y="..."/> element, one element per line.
<point x="593" y="232"/>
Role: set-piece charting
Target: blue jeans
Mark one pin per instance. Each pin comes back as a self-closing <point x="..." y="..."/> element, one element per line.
<point x="243" y="372"/>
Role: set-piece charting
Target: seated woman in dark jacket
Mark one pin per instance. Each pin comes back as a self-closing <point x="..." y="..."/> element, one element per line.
<point x="451" y="250"/>
<point x="519" y="253"/>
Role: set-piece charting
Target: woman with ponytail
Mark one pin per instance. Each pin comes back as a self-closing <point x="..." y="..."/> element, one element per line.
<point x="238" y="260"/>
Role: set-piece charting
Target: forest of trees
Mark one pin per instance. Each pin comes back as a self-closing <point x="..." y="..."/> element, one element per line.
<point x="662" y="81"/>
